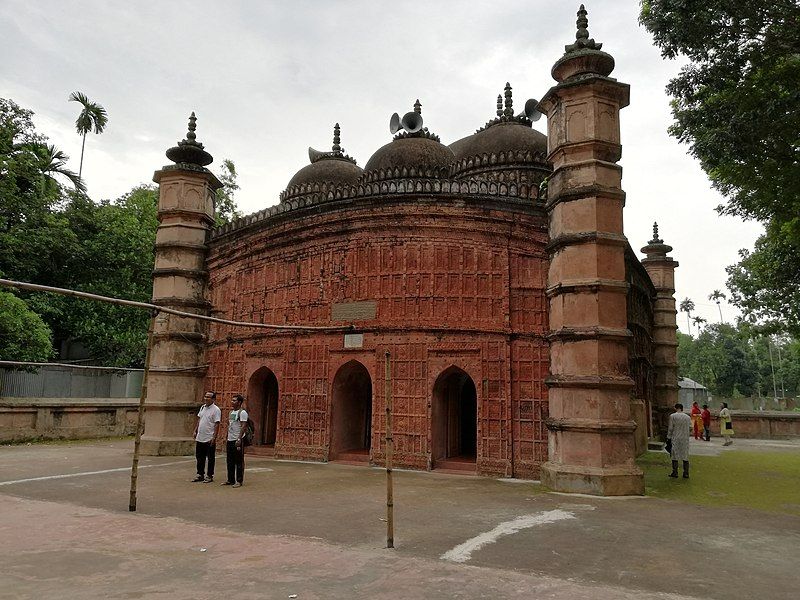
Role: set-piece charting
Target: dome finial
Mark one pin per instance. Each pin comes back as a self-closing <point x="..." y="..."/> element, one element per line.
<point x="499" y="105"/>
<point x="509" y="111"/>
<point x="418" y="107"/>
<point x="337" y="149"/>
<point x="582" y="39"/>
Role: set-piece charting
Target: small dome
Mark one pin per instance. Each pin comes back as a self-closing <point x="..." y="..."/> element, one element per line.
<point x="327" y="170"/>
<point x="332" y="170"/>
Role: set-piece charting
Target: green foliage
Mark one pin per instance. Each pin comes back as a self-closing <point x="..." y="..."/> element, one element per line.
<point x="225" y="205"/>
<point x="765" y="283"/>
<point x="54" y="237"/>
<point x="737" y="105"/>
<point x="24" y="335"/>
<point x="735" y="361"/>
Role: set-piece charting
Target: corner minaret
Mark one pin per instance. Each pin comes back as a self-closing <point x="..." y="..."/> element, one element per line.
<point x="661" y="269"/>
<point x="185" y="216"/>
<point x="591" y="447"/>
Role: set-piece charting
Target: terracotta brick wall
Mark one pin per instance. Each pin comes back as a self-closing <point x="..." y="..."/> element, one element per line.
<point x="454" y="283"/>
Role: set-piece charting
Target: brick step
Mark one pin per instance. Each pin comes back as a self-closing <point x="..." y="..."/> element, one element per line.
<point x="457" y="463"/>
<point x="260" y="451"/>
<point x="353" y="457"/>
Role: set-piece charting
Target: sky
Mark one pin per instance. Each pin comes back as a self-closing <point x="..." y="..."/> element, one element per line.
<point x="269" y="79"/>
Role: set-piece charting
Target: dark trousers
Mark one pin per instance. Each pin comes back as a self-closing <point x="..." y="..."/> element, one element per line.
<point x="205" y="451"/>
<point x="707" y="433"/>
<point x="235" y="459"/>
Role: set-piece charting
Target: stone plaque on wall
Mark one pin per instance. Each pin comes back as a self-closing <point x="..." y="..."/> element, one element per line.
<point x="353" y="340"/>
<point x="353" y="311"/>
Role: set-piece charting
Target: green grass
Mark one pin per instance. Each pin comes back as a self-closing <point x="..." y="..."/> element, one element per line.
<point x="768" y="481"/>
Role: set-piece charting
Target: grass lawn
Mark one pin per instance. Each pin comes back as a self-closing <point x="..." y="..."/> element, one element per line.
<point x="768" y="481"/>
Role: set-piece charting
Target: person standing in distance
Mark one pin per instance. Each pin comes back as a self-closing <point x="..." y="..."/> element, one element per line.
<point x="679" y="430"/>
<point x="237" y="426"/>
<point x="205" y="436"/>
<point x="726" y="424"/>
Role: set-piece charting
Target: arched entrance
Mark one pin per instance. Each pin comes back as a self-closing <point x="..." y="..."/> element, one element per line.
<point x="262" y="394"/>
<point x="454" y="421"/>
<point x="351" y="413"/>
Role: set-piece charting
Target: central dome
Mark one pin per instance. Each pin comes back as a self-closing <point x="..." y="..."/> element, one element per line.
<point x="422" y="154"/>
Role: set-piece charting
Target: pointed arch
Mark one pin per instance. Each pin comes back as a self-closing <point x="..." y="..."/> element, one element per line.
<point x="263" y="399"/>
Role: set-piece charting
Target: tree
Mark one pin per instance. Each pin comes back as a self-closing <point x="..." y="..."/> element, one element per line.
<point x="699" y="322"/>
<point x="92" y="117"/>
<point x="225" y="205"/>
<point x="716" y="296"/>
<point x="765" y="283"/>
<point x="23" y="334"/>
<point x="736" y="104"/>
<point x="687" y="306"/>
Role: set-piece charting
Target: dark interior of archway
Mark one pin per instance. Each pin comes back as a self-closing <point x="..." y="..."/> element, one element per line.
<point x="456" y="418"/>
<point x="269" y="410"/>
<point x="351" y="411"/>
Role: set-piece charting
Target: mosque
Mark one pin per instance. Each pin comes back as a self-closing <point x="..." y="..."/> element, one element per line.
<point x="487" y="281"/>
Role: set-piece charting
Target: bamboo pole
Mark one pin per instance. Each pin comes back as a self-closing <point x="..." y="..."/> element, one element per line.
<point x="33" y="287"/>
<point x="389" y="451"/>
<point x="140" y="418"/>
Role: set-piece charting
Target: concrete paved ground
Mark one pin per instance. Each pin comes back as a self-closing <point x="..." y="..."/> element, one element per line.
<point x="316" y="530"/>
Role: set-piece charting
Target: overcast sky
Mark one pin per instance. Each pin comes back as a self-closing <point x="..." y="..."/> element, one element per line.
<point x="269" y="79"/>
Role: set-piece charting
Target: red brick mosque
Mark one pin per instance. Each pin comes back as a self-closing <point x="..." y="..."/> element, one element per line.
<point x="525" y="337"/>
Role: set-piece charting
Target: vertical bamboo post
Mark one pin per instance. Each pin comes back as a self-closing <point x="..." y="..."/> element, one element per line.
<point x="389" y="450"/>
<point x="140" y="417"/>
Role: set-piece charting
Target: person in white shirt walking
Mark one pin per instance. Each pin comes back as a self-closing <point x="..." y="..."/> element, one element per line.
<point x="237" y="427"/>
<point x="678" y="433"/>
<point x="205" y="436"/>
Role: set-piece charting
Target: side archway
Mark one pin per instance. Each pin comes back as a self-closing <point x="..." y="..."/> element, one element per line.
<point x="263" y="399"/>
<point x="454" y="420"/>
<point x="351" y="413"/>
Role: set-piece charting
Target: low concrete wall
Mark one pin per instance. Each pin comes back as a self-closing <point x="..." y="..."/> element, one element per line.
<point x="23" y="419"/>
<point x="763" y="425"/>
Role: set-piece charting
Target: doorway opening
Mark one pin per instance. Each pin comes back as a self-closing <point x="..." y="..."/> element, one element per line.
<point x="454" y="421"/>
<point x="351" y="413"/>
<point x="262" y="392"/>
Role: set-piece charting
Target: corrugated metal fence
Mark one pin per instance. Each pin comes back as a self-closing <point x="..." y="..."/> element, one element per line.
<point x="63" y="382"/>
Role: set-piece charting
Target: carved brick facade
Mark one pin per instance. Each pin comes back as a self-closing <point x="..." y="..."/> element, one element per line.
<point x="526" y="339"/>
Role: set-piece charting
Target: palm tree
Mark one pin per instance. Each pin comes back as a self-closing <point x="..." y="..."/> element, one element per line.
<point x="53" y="162"/>
<point x="699" y="322"/>
<point x="687" y="306"/>
<point x="716" y="296"/>
<point x="93" y="116"/>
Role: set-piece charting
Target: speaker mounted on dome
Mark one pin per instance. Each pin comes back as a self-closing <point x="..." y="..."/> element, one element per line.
<point x="531" y="112"/>
<point x="337" y="152"/>
<point x="410" y="123"/>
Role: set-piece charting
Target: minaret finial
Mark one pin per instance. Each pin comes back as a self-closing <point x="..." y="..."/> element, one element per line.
<point x="509" y="111"/>
<point x="656" y="239"/>
<point x="499" y="105"/>
<point x="337" y="149"/>
<point x="190" y="135"/>
<point x="582" y="39"/>
<point x="418" y="107"/>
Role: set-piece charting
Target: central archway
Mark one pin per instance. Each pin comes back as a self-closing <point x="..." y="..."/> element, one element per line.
<point x="454" y="420"/>
<point x="262" y="393"/>
<point x="351" y="413"/>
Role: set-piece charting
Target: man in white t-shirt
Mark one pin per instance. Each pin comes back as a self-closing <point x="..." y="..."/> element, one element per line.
<point x="205" y="437"/>
<point x="237" y="426"/>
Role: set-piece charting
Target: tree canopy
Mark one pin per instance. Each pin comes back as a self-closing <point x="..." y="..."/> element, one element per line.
<point x="52" y="233"/>
<point x="737" y="105"/>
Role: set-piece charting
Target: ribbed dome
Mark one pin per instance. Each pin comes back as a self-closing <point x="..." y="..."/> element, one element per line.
<point x="330" y="169"/>
<point x="422" y="154"/>
<point x="511" y="136"/>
